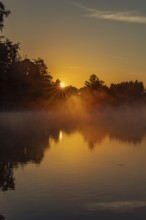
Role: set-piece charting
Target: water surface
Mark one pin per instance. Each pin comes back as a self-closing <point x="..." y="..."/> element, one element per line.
<point x="53" y="166"/>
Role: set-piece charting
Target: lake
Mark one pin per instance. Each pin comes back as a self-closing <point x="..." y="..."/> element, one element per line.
<point x="59" y="166"/>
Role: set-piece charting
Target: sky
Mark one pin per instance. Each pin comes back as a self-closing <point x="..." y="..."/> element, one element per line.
<point x="77" y="38"/>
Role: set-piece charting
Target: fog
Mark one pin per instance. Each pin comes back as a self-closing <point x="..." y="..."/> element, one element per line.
<point x="126" y="124"/>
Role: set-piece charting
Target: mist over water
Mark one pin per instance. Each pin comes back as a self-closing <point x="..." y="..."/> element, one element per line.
<point x="90" y="164"/>
<point x="127" y="124"/>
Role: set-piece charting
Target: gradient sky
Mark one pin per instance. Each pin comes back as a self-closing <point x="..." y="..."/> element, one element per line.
<point x="79" y="37"/>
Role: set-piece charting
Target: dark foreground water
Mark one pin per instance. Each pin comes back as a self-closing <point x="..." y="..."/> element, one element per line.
<point x="57" y="167"/>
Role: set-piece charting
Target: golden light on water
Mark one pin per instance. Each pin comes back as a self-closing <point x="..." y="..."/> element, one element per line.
<point x="62" y="85"/>
<point x="60" y="135"/>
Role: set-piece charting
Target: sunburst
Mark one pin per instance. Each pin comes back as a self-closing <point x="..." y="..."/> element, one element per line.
<point x="62" y="85"/>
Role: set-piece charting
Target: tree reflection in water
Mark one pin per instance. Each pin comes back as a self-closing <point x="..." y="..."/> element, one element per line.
<point x="24" y="137"/>
<point x="2" y="217"/>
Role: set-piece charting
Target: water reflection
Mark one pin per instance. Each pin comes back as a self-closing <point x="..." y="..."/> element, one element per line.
<point x="24" y="137"/>
<point x="2" y="217"/>
<point x="117" y="206"/>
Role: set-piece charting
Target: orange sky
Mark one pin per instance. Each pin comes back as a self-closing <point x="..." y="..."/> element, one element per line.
<point x="78" y="39"/>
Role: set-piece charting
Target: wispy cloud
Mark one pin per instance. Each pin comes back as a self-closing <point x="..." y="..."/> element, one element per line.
<point x="125" y="16"/>
<point x="121" y="206"/>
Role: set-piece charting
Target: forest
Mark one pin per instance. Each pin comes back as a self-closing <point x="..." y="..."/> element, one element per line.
<point x="27" y="84"/>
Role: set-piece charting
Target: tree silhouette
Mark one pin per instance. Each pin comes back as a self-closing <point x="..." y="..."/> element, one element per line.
<point x="127" y="91"/>
<point x="8" y="54"/>
<point x="7" y="181"/>
<point x="3" y="14"/>
<point x="94" y="83"/>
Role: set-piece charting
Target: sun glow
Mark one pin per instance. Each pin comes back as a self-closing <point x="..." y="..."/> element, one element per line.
<point x="62" y="84"/>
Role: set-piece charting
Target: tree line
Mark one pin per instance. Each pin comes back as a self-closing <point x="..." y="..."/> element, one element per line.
<point x="27" y="83"/>
<point x="97" y="92"/>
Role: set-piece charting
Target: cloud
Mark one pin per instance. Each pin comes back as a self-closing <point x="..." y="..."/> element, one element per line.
<point x="123" y="16"/>
<point x="121" y="206"/>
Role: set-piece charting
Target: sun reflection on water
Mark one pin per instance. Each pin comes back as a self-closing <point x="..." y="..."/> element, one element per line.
<point x="60" y="135"/>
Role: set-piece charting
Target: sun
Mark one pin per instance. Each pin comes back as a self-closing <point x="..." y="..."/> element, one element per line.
<point x="62" y="85"/>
